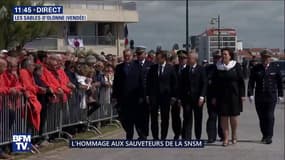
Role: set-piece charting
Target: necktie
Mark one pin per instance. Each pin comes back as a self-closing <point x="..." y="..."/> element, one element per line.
<point x="180" y="69"/>
<point x="190" y="69"/>
<point x="126" y="68"/>
<point x="160" y="70"/>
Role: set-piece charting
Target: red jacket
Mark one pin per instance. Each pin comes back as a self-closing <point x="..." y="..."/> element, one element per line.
<point x="34" y="106"/>
<point x="4" y="89"/>
<point x="11" y="81"/>
<point x="53" y="82"/>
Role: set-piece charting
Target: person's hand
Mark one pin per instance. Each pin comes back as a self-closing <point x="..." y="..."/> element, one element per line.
<point x="280" y="99"/>
<point x="83" y="87"/>
<point x="214" y="101"/>
<point x="26" y="93"/>
<point x="114" y="100"/>
<point x="60" y="91"/>
<point x="43" y="90"/>
<point x="12" y="91"/>
<point x="108" y="84"/>
<point x="97" y="84"/>
<point x="251" y="99"/>
<point x="70" y="85"/>
<point x="179" y="102"/>
<point x="172" y="101"/>
<point x="147" y="100"/>
<point x="201" y="101"/>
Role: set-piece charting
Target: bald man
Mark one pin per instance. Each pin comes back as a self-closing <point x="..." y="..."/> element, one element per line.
<point x="3" y="66"/>
<point x="11" y="77"/>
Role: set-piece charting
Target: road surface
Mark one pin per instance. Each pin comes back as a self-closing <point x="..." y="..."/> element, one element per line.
<point x="247" y="148"/>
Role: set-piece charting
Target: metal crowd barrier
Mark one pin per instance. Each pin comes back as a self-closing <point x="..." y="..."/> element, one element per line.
<point x="14" y="118"/>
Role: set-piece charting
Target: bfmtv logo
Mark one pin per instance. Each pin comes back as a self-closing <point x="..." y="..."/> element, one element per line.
<point x="21" y="143"/>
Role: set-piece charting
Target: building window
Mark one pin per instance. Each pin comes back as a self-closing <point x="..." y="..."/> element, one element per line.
<point x="213" y="44"/>
<point x="213" y="38"/>
<point x="72" y="28"/>
<point x="106" y="33"/>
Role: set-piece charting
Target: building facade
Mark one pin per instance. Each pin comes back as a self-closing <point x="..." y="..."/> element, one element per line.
<point x="103" y="30"/>
<point x="208" y="42"/>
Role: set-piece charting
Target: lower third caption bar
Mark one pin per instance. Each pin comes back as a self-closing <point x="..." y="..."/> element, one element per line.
<point x="91" y="143"/>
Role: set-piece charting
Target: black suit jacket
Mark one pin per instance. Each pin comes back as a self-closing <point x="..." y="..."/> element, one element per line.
<point x="127" y="88"/>
<point x="161" y="86"/>
<point x="210" y="71"/>
<point x="267" y="83"/>
<point x="193" y="83"/>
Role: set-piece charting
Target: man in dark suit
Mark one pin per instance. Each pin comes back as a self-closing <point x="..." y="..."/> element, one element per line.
<point x="161" y="90"/>
<point x="127" y="90"/>
<point x="143" y="108"/>
<point x="265" y="78"/>
<point x="176" y="106"/>
<point x="213" y="123"/>
<point x="194" y="85"/>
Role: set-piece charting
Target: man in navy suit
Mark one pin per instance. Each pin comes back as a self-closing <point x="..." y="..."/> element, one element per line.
<point x="127" y="90"/>
<point x="161" y="89"/>
<point x="265" y="78"/>
<point x="144" y="109"/>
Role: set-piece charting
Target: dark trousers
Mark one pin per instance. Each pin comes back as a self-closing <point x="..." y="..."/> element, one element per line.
<point x="189" y="108"/>
<point x="164" y="106"/>
<point x="128" y="117"/>
<point x="265" y="112"/>
<point x="213" y="118"/>
<point x="176" y="120"/>
<point x="43" y="117"/>
<point x="143" y="120"/>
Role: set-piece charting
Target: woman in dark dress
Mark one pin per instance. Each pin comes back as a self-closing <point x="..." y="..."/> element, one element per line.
<point x="229" y="91"/>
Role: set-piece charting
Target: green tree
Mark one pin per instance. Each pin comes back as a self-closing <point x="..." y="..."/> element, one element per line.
<point x="14" y="34"/>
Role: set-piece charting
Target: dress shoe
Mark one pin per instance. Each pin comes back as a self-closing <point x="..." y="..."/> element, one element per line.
<point x="268" y="141"/>
<point x="176" y="137"/>
<point x="263" y="140"/>
<point x="211" y="140"/>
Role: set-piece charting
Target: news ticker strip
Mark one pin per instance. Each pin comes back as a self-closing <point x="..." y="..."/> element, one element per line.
<point x="61" y="17"/>
<point x="44" y="13"/>
<point x="136" y="143"/>
<point x="38" y="10"/>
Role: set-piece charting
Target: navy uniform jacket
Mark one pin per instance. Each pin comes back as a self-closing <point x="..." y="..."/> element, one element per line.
<point x="178" y="69"/>
<point x="144" y="71"/>
<point x="127" y="87"/>
<point x="267" y="83"/>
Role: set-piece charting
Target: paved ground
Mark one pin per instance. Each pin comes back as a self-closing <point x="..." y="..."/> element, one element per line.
<point x="248" y="147"/>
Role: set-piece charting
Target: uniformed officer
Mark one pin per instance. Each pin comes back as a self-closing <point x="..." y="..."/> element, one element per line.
<point x="176" y="106"/>
<point x="144" y="110"/>
<point x="265" y="78"/>
<point x="213" y="123"/>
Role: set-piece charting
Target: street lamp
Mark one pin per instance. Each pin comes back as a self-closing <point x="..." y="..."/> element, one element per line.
<point x="214" y="20"/>
<point x="187" y="25"/>
<point x="3" y="12"/>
